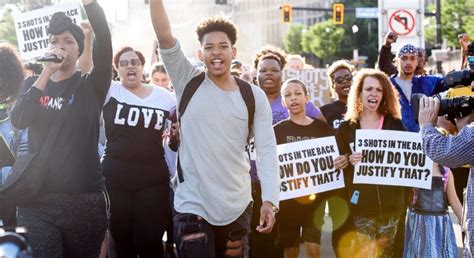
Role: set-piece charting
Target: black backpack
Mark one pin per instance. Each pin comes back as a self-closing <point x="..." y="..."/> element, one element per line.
<point x="191" y="88"/>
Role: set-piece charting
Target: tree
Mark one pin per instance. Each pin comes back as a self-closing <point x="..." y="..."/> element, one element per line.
<point x="323" y="39"/>
<point x="341" y="40"/>
<point x="7" y="28"/>
<point x="457" y="16"/>
<point x="293" y="39"/>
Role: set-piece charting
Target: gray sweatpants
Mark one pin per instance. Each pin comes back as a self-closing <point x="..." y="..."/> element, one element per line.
<point x="65" y="225"/>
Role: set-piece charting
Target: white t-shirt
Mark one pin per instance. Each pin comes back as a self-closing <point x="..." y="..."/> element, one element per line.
<point x="406" y="86"/>
<point x="134" y="126"/>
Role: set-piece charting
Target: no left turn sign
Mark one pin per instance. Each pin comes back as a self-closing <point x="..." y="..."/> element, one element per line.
<point x="402" y="21"/>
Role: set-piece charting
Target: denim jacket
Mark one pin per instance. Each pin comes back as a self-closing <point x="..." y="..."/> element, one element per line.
<point x="16" y="139"/>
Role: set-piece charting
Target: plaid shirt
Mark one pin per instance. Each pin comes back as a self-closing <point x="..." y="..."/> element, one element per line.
<point x="455" y="151"/>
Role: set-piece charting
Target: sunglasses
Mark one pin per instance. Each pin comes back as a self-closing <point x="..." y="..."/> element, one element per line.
<point x="341" y="79"/>
<point x="133" y="62"/>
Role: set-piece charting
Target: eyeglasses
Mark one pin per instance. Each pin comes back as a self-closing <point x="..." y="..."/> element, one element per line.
<point x="341" y="79"/>
<point x="133" y="62"/>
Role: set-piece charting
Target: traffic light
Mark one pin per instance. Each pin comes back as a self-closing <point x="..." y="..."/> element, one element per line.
<point x="286" y="10"/>
<point x="338" y="13"/>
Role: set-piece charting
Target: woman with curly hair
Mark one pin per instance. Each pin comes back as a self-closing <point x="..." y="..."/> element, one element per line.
<point x="372" y="104"/>
<point x="11" y="78"/>
<point x="11" y="74"/>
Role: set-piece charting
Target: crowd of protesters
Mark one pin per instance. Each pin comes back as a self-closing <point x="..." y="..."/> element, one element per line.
<point x="128" y="164"/>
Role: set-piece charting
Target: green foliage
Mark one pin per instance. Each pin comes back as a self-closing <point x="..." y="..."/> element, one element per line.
<point x="293" y="39"/>
<point x="340" y="42"/>
<point x="457" y="16"/>
<point x="321" y="43"/>
<point x="7" y="28"/>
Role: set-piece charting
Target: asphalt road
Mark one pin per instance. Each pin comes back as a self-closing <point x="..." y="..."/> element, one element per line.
<point x="327" y="250"/>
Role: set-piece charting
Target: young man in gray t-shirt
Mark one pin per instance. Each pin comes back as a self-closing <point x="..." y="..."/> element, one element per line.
<point x="213" y="203"/>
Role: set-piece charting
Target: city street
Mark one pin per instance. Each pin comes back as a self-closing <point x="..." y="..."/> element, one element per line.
<point x="327" y="250"/>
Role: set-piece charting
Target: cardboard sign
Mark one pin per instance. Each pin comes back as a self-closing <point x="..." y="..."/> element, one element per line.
<point x="392" y="158"/>
<point x="31" y="28"/>
<point x="316" y="81"/>
<point x="307" y="167"/>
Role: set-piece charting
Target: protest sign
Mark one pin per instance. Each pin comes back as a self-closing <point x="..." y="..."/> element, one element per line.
<point x="31" y="28"/>
<point x="250" y="149"/>
<point x="392" y="158"/>
<point x="307" y="167"/>
<point x="316" y="81"/>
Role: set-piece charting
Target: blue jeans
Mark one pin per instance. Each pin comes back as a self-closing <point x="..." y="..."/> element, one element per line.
<point x="196" y="238"/>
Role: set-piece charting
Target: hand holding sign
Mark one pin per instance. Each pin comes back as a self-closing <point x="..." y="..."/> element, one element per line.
<point x="309" y="167"/>
<point x="341" y="162"/>
<point x="355" y="158"/>
<point x="384" y="159"/>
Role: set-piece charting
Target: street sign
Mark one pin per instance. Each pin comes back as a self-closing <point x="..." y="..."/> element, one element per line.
<point x="402" y="21"/>
<point x="367" y="12"/>
<point x="405" y="17"/>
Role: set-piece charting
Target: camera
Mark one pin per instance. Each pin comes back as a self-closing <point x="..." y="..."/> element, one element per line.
<point x="459" y="101"/>
<point x="464" y="77"/>
<point x="455" y="107"/>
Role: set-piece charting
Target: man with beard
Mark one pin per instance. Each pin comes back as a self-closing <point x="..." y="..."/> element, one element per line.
<point x="213" y="199"/>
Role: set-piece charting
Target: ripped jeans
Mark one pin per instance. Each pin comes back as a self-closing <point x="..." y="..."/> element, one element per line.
<point x="196" y="238"/>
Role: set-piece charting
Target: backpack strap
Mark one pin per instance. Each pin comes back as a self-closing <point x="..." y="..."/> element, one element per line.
<point x="191" y="88"/>
<point x="188" y="93"/>
<point x="249" y="99"/>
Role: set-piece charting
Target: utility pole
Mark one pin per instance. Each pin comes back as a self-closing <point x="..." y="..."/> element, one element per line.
<point x="439" y="68"/>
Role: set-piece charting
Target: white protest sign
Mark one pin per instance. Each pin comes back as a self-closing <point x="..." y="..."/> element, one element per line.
<point x="31" y="28"/>
<point x="392" y="158"/>
<point x="307" y="167"/>
<point x="250" y="149"/>
<point x="316" y="81"/>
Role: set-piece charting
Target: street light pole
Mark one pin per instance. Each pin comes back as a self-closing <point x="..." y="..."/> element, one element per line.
<point x="355" y="53"/>
<point x="439" y="68"/>
<point x="326" y="45"/>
